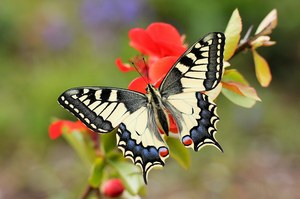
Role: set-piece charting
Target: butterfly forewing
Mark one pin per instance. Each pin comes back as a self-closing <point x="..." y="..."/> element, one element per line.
<point x="102" y="109"/>
<point x="198" y="69"/>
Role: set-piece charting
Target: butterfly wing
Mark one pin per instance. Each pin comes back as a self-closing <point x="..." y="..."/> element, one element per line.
<point x="198" y="69"/>
<point x="103" y="109"/>
<point x="196" y="119"/>
<point x="139" y="139"/>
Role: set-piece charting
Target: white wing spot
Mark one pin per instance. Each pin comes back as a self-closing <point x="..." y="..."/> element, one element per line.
<point x="71" y="106"/>
<point x="98" y="94"/>
<point x="76" y="110"/>
<point x="82" y="98"/>
<point x="113" y="96"/>
<point x="66" y="102"/>
<point x="87" y="102"/>
<point x="62" y="98"/>
<point x="192" y="56"/>
<point x="197" y="45"/>
<point x="87" y="120"/>
<point x="94" y="126"/>
<point x="209" y="42"/>
<point x="183" y="68"/>
<point x="74" y="96"/>
<point x="94" y="105"/>
<point x="85" y="91"/>
<point x="201" y="61"/>
<point x="204" y="54"/>
<point x="205" y="48"/>
<point x="81" y="115"/>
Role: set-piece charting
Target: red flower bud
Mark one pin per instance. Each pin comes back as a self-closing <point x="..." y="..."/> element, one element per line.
<point x="113" y="188"/>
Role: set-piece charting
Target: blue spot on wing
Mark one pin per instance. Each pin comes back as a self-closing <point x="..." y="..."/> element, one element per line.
<point x="200" y="134"/>
<point x="149" y="154"/>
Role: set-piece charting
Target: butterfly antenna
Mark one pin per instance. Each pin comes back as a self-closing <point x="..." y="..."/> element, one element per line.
<point x="139" y="72"/>
<point x="146" y="66"/>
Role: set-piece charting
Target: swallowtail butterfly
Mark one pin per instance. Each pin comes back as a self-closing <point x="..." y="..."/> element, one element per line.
<point x="139" y="117"/>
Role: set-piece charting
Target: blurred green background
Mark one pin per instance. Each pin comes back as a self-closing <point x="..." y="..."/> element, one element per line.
<point x="49" y="46"/>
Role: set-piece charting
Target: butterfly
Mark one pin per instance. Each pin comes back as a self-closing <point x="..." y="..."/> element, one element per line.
<point x="139" y="117"/>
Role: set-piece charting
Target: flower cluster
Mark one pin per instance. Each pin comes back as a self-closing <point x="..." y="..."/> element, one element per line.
<point x="160" y="45"/>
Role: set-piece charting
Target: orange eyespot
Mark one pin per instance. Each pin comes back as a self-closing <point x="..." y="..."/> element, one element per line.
<point x="187" y="140"/>
<point x="163" y="151"/>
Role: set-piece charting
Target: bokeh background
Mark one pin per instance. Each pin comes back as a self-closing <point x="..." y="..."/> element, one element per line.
<point x="49" y="46"/>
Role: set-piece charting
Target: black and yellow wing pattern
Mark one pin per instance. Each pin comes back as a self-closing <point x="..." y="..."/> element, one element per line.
<point x="181" y="93"/>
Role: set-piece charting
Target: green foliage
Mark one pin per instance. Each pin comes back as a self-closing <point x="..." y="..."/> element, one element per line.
<point x="96" y="176"/>
<point x="232" y="34"/>
<point x="235" y="86"/>
<point x="34" y="74"/>
<point x="130" y="175"/>
<point x="81" y="145"/>
<point x="179" y="152"/>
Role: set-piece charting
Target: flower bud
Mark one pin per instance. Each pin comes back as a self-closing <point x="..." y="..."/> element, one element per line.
<point x="113" y="188"/>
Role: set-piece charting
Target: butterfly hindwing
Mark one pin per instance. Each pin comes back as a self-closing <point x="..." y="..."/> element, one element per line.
<point x="103" y="109"/>
<point x="136" y="116"/>
<point x="198" y="69"/>
<point x="140" y="141"/>
<point x="196" y="119"/>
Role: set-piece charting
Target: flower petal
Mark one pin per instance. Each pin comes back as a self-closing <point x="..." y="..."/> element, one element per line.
<point x="138" y="85"/>
<point x="124" y="67"/>
<point x="161" y="67"/>
<point x="167" y="39"/>
<point x="56" y="128"/>
<point x="142" y="41"/>
<point x="173" y="127"/>
<point x="163" y="32"/>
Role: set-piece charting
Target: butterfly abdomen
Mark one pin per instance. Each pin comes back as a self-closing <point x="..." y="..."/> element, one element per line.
<point x="161" y="116"/>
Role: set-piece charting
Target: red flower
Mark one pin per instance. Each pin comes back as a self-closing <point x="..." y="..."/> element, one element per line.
<point x="113" y="188"/>
<point x="56" y="128"/>
<point x="163" y="45"/>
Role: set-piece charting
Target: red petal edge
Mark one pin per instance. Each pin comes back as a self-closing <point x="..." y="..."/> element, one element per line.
<point x="138" y="84"/>
<point x="124" y="67"/>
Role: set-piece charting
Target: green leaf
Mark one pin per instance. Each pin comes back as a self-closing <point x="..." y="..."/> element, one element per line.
<point x="83" y="147"/>
<point x="96" y="176"/>
<point x="268" y="23"/>
<point x="238" y="99"/>
<point x="108" y="141"/>
<point x="179" y="152"/>
<point x="130" y="174"/>
<point x="239" y="94"/>
<point x="233" y="34"/>
<point x="262" y="69"/>
<point x="232" y="75"/>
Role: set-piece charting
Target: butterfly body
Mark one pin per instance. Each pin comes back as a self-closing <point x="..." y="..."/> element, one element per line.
<point x="160" y="112"/>
<point x="139" y="118"/>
